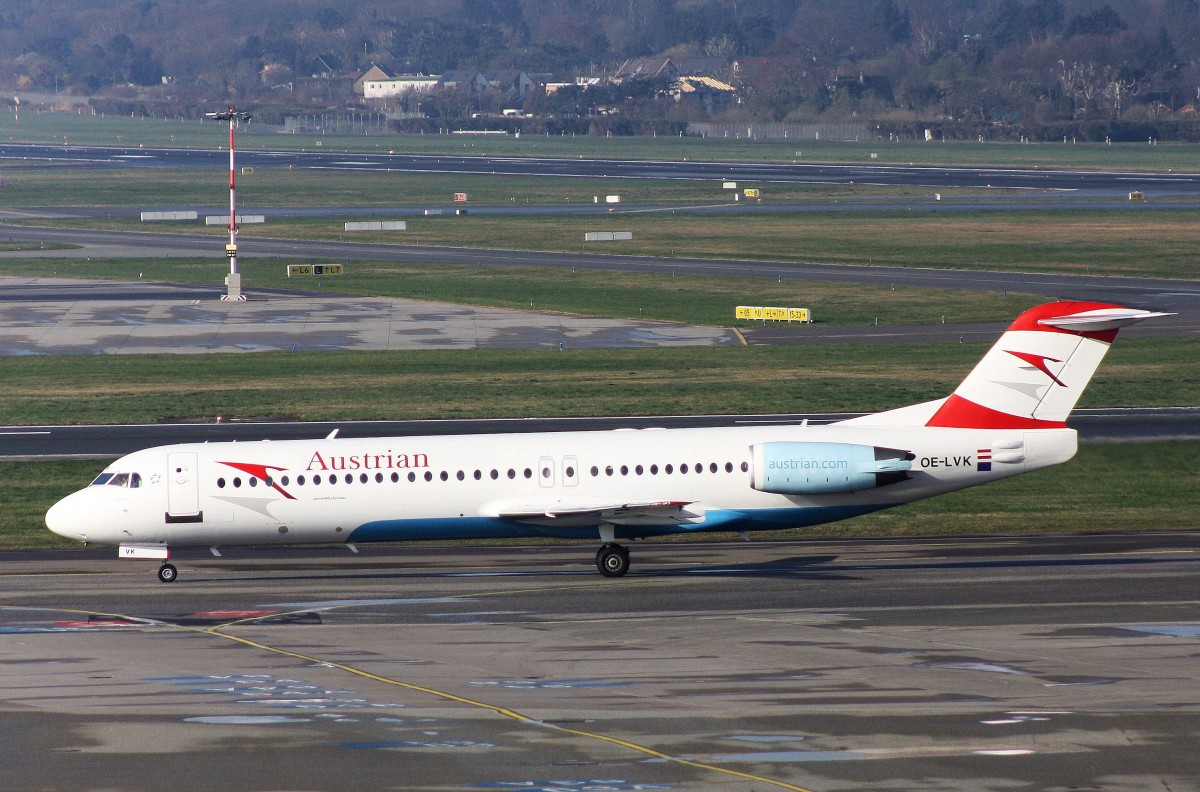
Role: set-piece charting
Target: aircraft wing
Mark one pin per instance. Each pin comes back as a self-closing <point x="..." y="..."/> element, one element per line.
<point x="588" y="511"/>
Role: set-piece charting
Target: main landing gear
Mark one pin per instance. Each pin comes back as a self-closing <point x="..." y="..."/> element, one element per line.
<point x="167" y="573"/>
<point x="612" y="560"/>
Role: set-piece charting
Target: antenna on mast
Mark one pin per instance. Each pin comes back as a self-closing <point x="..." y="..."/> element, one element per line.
<point x="233" y="281"/>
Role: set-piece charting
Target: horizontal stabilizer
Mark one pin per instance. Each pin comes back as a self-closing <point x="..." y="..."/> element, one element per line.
<point x="1102" y="319"/>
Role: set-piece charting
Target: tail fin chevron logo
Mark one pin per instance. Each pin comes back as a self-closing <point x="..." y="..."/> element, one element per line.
<point x="1039" y="362"/>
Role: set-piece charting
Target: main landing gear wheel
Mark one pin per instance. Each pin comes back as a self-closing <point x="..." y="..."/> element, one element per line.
<point x="612" y="560"/>
<point x="167" y="573"/>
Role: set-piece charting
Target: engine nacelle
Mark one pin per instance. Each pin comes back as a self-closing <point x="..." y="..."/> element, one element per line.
<point x="824" y="468"/>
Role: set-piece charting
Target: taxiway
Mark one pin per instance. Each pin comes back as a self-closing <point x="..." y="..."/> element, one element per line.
<point x="966" y="664"/>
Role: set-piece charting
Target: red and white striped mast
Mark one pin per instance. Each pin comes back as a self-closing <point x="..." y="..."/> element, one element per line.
<point x="234" y="280"/>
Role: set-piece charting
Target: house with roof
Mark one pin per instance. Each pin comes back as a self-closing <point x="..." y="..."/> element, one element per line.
<point x="464" y="80"/>
<point x="713" y="95"/>
<point x="399" y="85"/>
<point x="721" y="68"/>
<point x="511" y="82"/>
<point x="645" y="68"/>
<point x="663" y="66"/>
<point x="373" y="73"/>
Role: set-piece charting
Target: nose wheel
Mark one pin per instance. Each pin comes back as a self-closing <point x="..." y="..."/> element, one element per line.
<point x="612" y="560"/>
<point x="167" y="573"/>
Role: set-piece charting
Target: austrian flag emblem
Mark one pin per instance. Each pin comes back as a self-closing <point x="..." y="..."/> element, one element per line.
<point x="983" y="460"/>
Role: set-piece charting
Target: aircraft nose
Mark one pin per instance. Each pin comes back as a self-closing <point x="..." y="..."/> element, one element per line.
<point x="66" y="519"/>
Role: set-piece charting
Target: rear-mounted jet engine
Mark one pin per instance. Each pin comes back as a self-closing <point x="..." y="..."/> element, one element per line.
<point x="825" y="468"/>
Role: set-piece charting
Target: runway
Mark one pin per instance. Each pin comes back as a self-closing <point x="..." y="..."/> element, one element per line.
<point x="1094" y="183"/>
<point x="966" y="664"/>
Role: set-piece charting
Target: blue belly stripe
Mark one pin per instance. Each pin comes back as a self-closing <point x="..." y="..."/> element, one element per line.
<point x="457" y="528"/>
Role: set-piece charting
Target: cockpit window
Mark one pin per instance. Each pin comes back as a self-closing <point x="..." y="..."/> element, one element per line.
<point x="130" y="480"/>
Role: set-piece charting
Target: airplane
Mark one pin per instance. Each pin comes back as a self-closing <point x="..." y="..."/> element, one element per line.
<point x="1006" y="418"/>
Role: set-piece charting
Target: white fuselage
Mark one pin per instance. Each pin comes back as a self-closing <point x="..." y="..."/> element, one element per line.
<point x="612" y="484"/>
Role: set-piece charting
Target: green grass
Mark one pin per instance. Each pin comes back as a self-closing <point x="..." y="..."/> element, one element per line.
<point x="30" y="489"/>
<point x="1107" y="487"/>
<point x="71" y="128"/>
<point x="142" y="187"/>
<point x="1102" y="242"/>
<point x="633" y="295"/>
<point x="516" y="383"/>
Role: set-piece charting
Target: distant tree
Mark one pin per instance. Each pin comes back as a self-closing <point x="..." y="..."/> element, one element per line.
<point x="1104" y="21"/>
<point x="144" y="68"/>
<point x="1021" y="23"/>
<point x="893" y="20"/>
<point x="754" y="34"/>
<point x="329" y="18"/>
<point x="54" y="47"/>
<point x="497" y="12"/>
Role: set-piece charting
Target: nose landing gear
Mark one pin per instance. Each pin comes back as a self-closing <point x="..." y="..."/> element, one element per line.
<point x="167" y="573"/>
